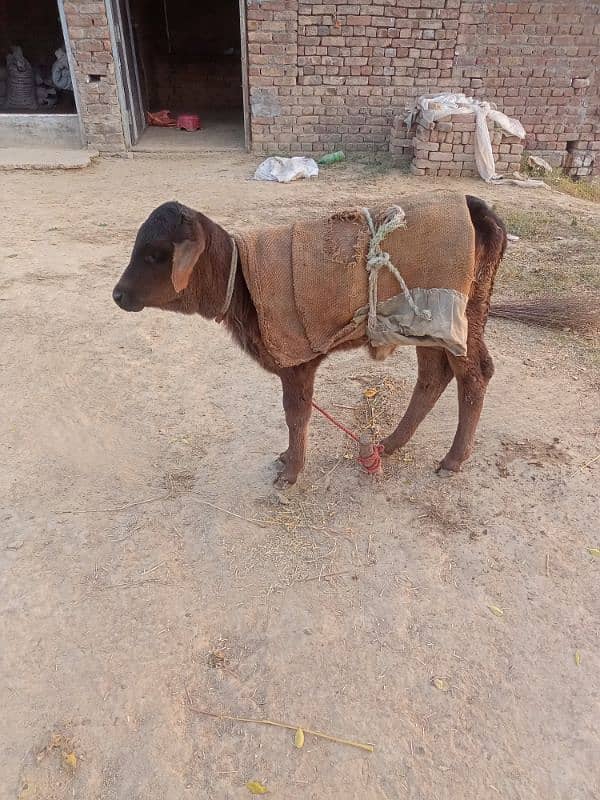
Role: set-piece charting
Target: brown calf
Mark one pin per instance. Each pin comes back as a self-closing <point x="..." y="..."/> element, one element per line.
<point x="181" y="262"/>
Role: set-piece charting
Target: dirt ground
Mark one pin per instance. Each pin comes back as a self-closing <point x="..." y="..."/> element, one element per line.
<point x="149" y="570"/>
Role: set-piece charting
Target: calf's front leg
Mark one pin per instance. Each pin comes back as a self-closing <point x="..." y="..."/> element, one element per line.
<point x="297" y="383"/>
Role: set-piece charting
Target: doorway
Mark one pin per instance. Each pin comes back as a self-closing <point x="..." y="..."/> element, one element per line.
<point x="182" y="57"/>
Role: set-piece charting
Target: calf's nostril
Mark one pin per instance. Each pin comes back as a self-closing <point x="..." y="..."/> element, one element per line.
<point x="126" y="298"/>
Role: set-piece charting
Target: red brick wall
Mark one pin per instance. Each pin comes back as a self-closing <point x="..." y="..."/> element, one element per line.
<point x="196" y="86"/>
<point x="364" y="60"/>
<point x="324" y="75"/>
<point x="92" y="52"/>
<point x="540" y="61"/>
<point x="273" y="73"/>
<point x="331" y="74"/>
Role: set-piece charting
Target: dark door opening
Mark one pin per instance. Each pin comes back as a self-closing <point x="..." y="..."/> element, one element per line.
<point x="189" y="61"/>
<point x="34" y="79"/>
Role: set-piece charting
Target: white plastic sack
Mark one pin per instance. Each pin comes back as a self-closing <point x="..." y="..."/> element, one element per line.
<point x="61" y="74"/>
<point x="285" y="170"/>
<point x="484" y="155"/>
<point x="510" y="125"/>
<point x="432" y="109"/>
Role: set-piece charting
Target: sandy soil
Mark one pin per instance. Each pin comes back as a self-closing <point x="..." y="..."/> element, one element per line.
<point x="452" y="623"/>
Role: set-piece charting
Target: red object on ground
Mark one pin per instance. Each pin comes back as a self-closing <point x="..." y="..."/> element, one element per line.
<point x="369" y="454"/>
<point x="189" y="122"/>
<point x="161" y="119"/>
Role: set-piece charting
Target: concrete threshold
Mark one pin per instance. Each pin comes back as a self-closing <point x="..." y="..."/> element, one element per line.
<point x="45" y="158"/>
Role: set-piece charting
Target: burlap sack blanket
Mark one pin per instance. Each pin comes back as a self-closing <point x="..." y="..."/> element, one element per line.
<point x="309" y="280"/>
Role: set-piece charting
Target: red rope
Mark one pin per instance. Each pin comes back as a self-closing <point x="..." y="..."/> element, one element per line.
<point x="335" y="422"/>
<point x="371" y="463"/>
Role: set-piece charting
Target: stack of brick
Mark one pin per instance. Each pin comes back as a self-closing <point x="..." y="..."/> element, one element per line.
<point x="401" y="142"/>
<point x="447" y="148"/>
<point x="583" y="159"/>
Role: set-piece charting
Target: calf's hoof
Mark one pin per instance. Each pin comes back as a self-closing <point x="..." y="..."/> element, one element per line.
<point x="447" y="469"/>
<point x="282" y="457"/>
<point x="285" y="479"/>
<point x="389" y="446"/>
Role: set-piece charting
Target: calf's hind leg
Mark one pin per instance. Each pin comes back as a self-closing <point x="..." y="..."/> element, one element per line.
<point x="473" y="374"/>
<point x="433" y="377"/>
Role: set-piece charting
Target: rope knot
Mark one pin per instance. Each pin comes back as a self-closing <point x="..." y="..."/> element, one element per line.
<point x="369" y="456"/>
<point x="378" y="261"/>
<point x="377" y="258"/>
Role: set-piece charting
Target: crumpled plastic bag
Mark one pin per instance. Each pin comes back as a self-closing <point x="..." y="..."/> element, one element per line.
<point x="285" y="170"/>
<point x="432" y="109"/>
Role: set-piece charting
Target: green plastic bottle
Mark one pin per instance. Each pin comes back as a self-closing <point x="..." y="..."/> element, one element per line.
<point x="332" y="158"/>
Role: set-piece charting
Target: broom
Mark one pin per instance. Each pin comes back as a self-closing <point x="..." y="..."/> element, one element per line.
<point x="581" y="315"/>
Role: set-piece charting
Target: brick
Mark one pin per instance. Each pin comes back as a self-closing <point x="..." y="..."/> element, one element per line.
<point x="441" y="157"/>
<point x="421" y="163"/>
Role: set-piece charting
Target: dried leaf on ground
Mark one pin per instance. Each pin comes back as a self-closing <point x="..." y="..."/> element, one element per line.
<point x="256" y="787"/>
<point x="577" y="658"/>
<point x="216" y="659"/>
<point x="594" y="551"/>
<point x="299" y="738"/>
<point x="496" y="610"/>
<point x="70" y="760"/>
<point x="369" y="393"/>
<point x="440" y="684"/>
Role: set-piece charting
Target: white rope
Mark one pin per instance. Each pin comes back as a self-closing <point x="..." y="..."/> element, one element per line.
<point x="378" y="258"/>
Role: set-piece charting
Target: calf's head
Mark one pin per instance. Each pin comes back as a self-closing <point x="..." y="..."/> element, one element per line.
<point x="166" y="250"/>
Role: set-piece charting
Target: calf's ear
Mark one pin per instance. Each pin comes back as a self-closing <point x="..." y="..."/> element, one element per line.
<point x="186" y="254"/>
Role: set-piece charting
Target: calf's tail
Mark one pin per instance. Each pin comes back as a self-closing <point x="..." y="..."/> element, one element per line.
<point x="490" y="238"/>
<point x="578" y="314"/>
<point x="490" y="244"/>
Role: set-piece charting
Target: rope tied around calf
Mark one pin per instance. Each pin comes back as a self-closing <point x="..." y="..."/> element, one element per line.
<point x="378" y="258"/>
<point x="230" y="281"/>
